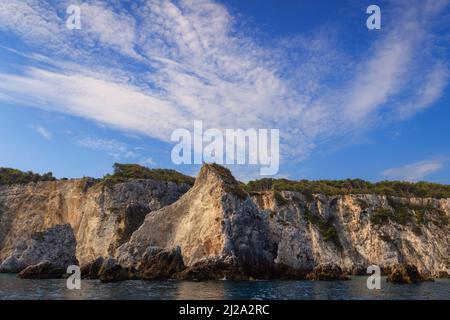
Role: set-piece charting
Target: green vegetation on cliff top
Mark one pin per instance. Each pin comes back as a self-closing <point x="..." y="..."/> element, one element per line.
<point x="353" y="186"/>
<point x="124" y="172"/>
<point x="10" y="176"/>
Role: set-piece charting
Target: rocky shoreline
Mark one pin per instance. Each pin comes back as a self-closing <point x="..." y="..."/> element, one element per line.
<point x="155" y="230"/>
<point x="168" y="265"/>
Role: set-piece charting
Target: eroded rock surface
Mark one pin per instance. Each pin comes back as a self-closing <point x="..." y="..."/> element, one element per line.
<point x="111" y="271"/>
<point x="42" y="270"/>
<point x="356" y="231"/>
<point x="56" y="246"/>
<point x="102" y="217"/>
<point x="213" y="221"/>
<point x="159" y="264"/>
<point x="91" y="270"/>
<point x="406" y="273"/>
<point x="327" y="272"/>
<point x="223" y="268"/>
<point x="159" y="230"/>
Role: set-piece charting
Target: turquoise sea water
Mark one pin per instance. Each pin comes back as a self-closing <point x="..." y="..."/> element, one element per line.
<point x="13" y="288"/>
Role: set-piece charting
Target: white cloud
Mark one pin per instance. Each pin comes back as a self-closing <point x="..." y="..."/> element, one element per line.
<point x="43" y="132"/>
<point x="116" y="149"/>
<point x="401" y="65"/>
<point x="110" y="28"/>
<point x="430" y="90"/>
<point x="120" y="105"/>
<point x="414" y="171"/>
<point x="382" y="78"/>
<point x="147" y="162"/>
<point x="158" y="66"/>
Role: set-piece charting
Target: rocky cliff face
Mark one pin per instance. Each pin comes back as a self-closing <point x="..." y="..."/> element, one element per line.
<point x="214" y="222"/>
<point x="286" y="234"/>
<point x="217" y="230"/>
<point x="354" y="231"/>
<point x="56" y="245"/>
<point x="101" y="217"/>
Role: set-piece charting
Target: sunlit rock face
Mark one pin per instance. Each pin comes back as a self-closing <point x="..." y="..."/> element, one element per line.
<point x="355" y="231"/>
<point x="215" y="230"/>
<point x="102" y="217"/>
<point x="289" y="234"/>
<point x="55" y="245"/>
<point x="214" y="222"/>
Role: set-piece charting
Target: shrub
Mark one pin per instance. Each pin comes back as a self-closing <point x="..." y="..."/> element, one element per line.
<point x="124" y="172"/>
<point x="420" y="216"/>
<point x="400" y="214"/>
<point x="354" y="186"/>
<point x="429" y="212"/>
<point x="10" y="176"/>
<point x="362" y="204"/>
<point x="279" y="199"/>
<point x="326" y="227"/>
<point x="408" y="213"/>
<point x="422" y="213"/>
<point x="443" y="217"/>
<point x="380" y="216"/>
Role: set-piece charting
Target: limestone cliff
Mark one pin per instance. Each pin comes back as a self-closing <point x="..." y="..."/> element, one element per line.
<point x="214" y="221"/>
<point x="102" y="217"/>
<point x="354" y="231"/>
<point x="56" y="246"/>
<point x="288" y="234"/>
<point x="217" y="230"/>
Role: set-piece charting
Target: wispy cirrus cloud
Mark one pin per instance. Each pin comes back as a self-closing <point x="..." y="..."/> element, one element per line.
<point x="116" y="149"/>
<point x="414" y="171"/>
<point x="120" y="105"/>
<point x="43" y="132"/>
<point x="156" y="66"/>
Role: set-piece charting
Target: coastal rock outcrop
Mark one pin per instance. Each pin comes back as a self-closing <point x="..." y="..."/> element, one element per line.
<point x="159" y="264"/>
<point x="406" y="273"/>
<point x="42" y="270"/>
<point x="111" y="271"/>
<point x="102" y="216"/>
<point x="91" y="270"/>
<point x="327" y="272"/>
<point x="214" y="221"/>
<point x="55" y="246"/>
<point x="215" y="230"/>
<point x="223" y="268"/>
<point x="355" y="231"/>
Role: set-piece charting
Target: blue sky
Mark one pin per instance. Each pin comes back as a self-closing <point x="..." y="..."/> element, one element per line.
<point x="349" y="102"/>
